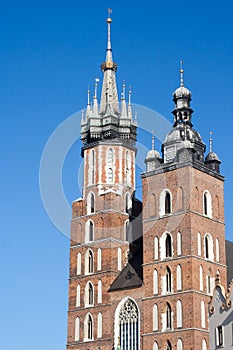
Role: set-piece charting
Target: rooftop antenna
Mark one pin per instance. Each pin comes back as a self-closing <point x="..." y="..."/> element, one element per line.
<point x="181" y="74"/>
<point x="153" y="140"/>
<point x="211" y="142"/>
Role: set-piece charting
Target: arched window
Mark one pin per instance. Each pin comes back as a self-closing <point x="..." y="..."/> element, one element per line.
<point x="79" y="258"/>
<point x="89" y="262"/>
<point x="204" y="345"/>
<point x="179" y="278"/>
<point x="78" y="296"/>
<point x="168" y="245"/>
<point x="168" y="280"/>
<point x="99" y="292"/>
<point x="88" y="327"/>
<point x="99" y="325"/>
<point x="179" y="244"/>
<point x="155" y="346"/>
<point x="179" y="317"/>
<point x="155" y="317"/>
<point x="89" y="231"/>
<point x="167" y="203"/>
<point x="201" y="278"/>
<point x="99" y="259"/>
<point x="179" y="344"/>
<point x="207" y="204"/>
<point x="202" y="314"/>
<point x="127" y="327"/>
<point x="217" y="249"/>
<point x="169" y="345"/>
<point x="208" y="245"/>
<point x="155" y="281"/>
<point x="168" y="316"/>
<point x="156" y="248"/>
<point x="90" y="203"/>
<point x="119" y="259"/>
<point x="89" y="294"/>
<point x="199" y="244"/>
<point x="77" y="329"/>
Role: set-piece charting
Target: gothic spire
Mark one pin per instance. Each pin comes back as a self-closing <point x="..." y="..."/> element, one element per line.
<point x="109" y="96"/>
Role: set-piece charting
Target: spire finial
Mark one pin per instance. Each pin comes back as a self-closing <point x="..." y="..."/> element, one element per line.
<point x="181" y="74"/>
<point x="109" y="21"/>
<point x="211" y="141"/>
<point x="96" y="86"/>
<point x="130" y="94"/>
<point x="153" y="140"/>
<point x="88" y="96"/>
<point x="123" y="91"/>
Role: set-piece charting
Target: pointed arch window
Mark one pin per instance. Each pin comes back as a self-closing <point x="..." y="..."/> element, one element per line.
<point x="88" y="328"/>
<point x="99" y="292"/>
<point x="99" y="259"/>
<point x="89" y="294"/>
<point x="90" y="203"/>
<point x="155" y="317"/>
<point x="202" y="314"/>
<point x="168" y="280"/>
<point x="199" y="244"/>
<point x="79" y="258"/>
<point x="78" y="296"/>
<point x="128" y="323"/>
<point x="179" y="317"/>
<point x="208" y="282"/>
<point x="155" y="281"/>
<point x="127" y="167"/>
<point x="169" y="345"/>
<point x="155" y="346"/>
<point x="89" y="262"/>
<point x="208" y="245"/>
<point x="119" y="259"/>
<point x="217" y="249"/>
<point x="168" y="246"/>
<point x="89" y="237"/>
<point x="179" y="344"/>
<point x="99" y="325"/>
<point x="77" y="329"/>
<point x="179" y="277"/>
<point x="204" y="345"/>
<point x="201" y="278"/>
<point x="168" y="316"/>
<point x="167" y="203"/>
<point x="207" y="204"/>
<point x="179" y="244"/>
<point x="156" y="248"/>
<point x="110" y="156"/>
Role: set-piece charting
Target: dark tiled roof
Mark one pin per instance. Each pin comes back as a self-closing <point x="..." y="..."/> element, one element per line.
<point x="229" y="260"/>
<point x="131" y="275"/>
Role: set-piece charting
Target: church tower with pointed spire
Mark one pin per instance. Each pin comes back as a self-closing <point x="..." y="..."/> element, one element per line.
<point x="141" y="274"/>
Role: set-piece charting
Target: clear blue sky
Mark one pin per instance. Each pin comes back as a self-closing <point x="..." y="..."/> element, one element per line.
<point x="49" y="53"/>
